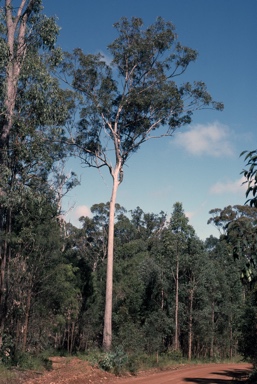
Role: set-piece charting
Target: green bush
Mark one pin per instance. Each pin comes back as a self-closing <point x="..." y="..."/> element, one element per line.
<point x="114" y="361"/>
<point x="7" y="350"/>
<point x="133" y="364"/>
<point x="175" y="355"/>
<point x="248" y="340"/>
<point x="29" y="361"/>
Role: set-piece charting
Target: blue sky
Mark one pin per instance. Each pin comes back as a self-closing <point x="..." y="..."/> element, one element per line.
<point x="200" y="165"/>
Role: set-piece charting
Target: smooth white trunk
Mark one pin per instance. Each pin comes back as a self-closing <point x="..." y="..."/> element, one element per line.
<point x="190" y="331"/>
<point x="176" y="341"/>
<point x="107" y="333"/>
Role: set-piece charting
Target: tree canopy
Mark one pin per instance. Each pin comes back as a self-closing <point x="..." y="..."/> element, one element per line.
<point x="134" y="98"/>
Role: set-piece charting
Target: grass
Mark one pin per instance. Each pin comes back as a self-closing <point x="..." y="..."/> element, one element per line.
<point x="7" y="376"/>
<point x="120" y="362"/>
<point x="23" y="365"/>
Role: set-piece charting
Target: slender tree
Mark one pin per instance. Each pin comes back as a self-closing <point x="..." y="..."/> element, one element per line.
<point x="175" y="242"/>
<point x="34" y="109"/>
<point x="196" y="278"/>
<point x="131" y="100"/>
<point x="25" y="27"/>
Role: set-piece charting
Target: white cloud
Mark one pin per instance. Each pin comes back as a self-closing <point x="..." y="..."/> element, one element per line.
<point x="232" y="187"/>
<point x="74" y="214"/>
<point x="199" y="209"/>
<point x="82" y="210"/>
<point x="190" y="214"/>
<point x="212" y="139"/>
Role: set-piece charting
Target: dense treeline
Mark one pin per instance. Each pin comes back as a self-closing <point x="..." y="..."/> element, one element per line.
<point x="172" y="292"/>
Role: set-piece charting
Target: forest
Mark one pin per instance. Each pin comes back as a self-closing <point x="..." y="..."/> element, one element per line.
<point x="131" y="280"/>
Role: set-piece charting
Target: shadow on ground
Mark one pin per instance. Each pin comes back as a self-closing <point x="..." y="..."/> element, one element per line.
<point x="237" y="376"/>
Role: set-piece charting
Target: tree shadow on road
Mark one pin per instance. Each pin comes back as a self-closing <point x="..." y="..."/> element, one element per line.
<point x="236" y="375"/>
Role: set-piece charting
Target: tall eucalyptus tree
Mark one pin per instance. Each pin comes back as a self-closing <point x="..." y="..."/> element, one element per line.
<point x="133" y="99"/>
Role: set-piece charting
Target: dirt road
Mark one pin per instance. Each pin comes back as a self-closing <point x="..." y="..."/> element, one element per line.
<point x="200" y="374"/>
<point x="76" y="371"/>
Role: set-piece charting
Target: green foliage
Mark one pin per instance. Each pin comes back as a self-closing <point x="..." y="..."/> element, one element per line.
<point x="132" y="361"/>
<point x="176" y="356"/>
<point x="238" y="224"/>
<point x="251" y="176"/>
<point x="239" y="239"/>
<point x="68" y="293"/>
<point x="32" y="141"/>
<point x="136" y="94"/>
<point x="248" y="340"/>
<point x="119" y="361"/>
<point x="114" y="361"/>
<point x="7" y="350"/>
<point x="11" y="356"/>
<point x="25" y="360"/>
